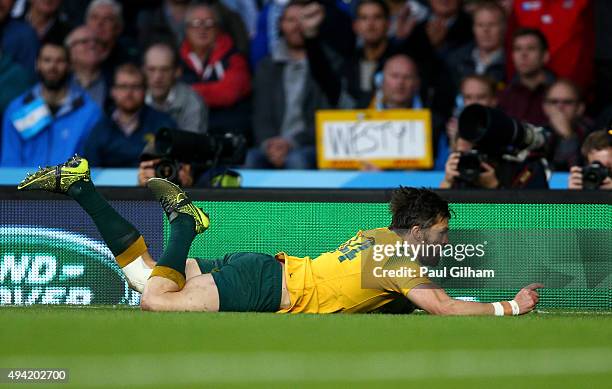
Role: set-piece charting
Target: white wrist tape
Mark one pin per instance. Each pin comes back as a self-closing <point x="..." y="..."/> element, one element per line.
<point x="515" y="307"/>
<point x="499" y="309"/>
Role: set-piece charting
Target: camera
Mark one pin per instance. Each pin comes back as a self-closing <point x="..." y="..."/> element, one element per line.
<point x="494" y="133"/>
<point x="208" y="151"/>
<point x="593" y="175"/>
<point x="469" y="166"/>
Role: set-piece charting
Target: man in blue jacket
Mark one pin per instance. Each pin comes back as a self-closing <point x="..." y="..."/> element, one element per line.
<point x="119" y="140"/>
<point x="51" y="121"/>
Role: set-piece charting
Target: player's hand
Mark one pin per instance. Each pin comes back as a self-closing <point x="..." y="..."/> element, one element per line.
<point x="575" y="178"/>
<point x="146" y="170"/>
<point x="488" y="179"/>
<point x="311" y="19"/>
<point x="527" y="298"/>
<point x="451" y="170"/>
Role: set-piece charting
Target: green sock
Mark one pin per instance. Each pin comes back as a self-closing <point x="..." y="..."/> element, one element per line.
<point x="118" y="233"/>
<point x="182" y="233"/>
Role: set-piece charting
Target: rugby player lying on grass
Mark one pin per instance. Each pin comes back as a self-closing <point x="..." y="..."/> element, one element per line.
<point x="259" y="282"/>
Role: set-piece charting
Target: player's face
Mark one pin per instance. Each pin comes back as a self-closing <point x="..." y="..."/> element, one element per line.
<point x="438" y="233"/>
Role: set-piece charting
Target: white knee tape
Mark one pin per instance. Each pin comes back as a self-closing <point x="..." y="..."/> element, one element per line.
<point x="137" y="274"/>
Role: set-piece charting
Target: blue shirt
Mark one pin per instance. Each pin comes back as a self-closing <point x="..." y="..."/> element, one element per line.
<point x="109" y="146"/>
<point x="32" y="136"/>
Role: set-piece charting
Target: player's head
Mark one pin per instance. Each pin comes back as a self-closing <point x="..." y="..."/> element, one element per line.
<point x="419" y="216"/>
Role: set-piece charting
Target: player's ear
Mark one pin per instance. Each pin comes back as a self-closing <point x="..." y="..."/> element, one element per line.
<point x="417" y="233"/>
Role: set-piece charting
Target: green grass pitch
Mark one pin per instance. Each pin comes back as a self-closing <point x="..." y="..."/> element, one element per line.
<point x="121" y="347"/>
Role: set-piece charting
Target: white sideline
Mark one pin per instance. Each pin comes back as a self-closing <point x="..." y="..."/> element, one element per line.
<point x="260" y="367"/>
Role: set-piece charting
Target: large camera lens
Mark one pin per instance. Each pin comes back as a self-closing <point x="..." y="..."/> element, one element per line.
<point x="593" y="175"/>
<point x="168" y="169"/>
<point x="494" y="133"/>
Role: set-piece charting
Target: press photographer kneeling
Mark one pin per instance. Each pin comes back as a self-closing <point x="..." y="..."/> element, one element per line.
<point x="189" y="159"/>
<point x="495" y="151"/>
<point x="597" y="174"/>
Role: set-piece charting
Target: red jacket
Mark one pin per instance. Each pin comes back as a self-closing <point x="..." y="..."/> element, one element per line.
<point x="569" y="28"/>
<point x="223" y="79"/>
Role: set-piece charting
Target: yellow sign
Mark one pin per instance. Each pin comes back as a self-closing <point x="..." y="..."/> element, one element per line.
<point x="388" y="139"/>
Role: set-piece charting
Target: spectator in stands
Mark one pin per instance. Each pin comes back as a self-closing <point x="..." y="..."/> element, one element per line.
<point x="216" y="70"/>
<point x="105" y="18"/>
<point x="50" y="122"/>
<point x="285" y="101"/>
<point x="335" y="31"/>
<point x="45" y="17"/>
<point x="167" y="22"/>
<point x="475" y="89"/>
<point x="164" y="23"/>
<point x="496" y="172"/>
<point x="86" y="61"/>
<point x="568" y="28"/>
<point x="14" y="80"/>
<point x="399" y="85"/>
<point x="119" y="141"/>
<point x="523" y="97"/>
<point x="19" y="40"/>
<point x="447" y="28"/>
<point x="597" y="147"/>
<point x="565" y="108"/>
<point x="486" y="55"/>
<point x="167" y="94"/>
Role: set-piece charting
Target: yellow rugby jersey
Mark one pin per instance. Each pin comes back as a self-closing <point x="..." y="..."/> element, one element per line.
<point x="332" y="282"/>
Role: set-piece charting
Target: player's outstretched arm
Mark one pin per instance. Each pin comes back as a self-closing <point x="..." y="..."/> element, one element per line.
<point x="435" y="301"/>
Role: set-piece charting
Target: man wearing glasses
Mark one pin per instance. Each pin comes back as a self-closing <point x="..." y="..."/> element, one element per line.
<point x="119" y="140"/>
<point x="215" y="70"/>
<point x="564" y="108"/>
<point x="86" y="61"/>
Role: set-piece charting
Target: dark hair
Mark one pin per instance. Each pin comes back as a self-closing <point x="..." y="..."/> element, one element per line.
<point x="54" y="43"/>
<point x="532" y="32"/>
<point x="416" y="207"/>
<point x="570" y="84"/>
<point x="131" y="69"/>
<point x="381" y="3"/>
<point x="596" y="141"/>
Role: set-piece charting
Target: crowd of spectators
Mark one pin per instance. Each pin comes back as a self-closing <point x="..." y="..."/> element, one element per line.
<point x="100" y="77"/>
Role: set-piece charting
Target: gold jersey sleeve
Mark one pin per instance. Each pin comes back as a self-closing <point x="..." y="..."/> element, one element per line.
<point x="334" y="282"/>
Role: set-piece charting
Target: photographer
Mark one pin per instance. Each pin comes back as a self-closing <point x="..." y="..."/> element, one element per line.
<point x="494" y="151"/>
<point x="597" y="149"/>
<point x="190" y="159"/>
